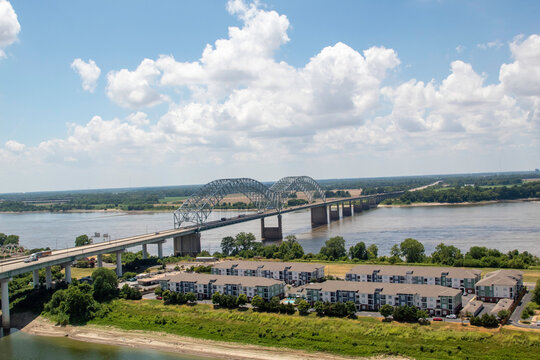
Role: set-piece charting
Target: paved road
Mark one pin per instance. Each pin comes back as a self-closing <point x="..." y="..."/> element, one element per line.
<point x="516" y="315"/>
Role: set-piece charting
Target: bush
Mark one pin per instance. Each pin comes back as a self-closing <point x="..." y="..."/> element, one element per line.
<point x="303" y="307"/>
<point x="130" y="293"/>
<point x="485" y="320"/>
<point x="105" y="284"/>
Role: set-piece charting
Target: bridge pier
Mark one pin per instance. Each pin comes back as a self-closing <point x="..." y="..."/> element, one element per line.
<point x="365" y="205"/>
<point x="334" y="214"/>
<point x="48" y="277"/>
<point x="346" y="210"/>
<point x="160" y="249"/>
<point x="272" y="233"/>
<point x="100" y="260"/>
<point x="372" y="203"/>
<point x="187" y="245"/>
<point x="35" y="278"/>
<point x="119" y="263"/>
<point x="144" y="252"/>
<point x="357" y="207"/>
<point x="319" y="216"/>
<point x="67" y="270"/>
<point x="6" y="322"/>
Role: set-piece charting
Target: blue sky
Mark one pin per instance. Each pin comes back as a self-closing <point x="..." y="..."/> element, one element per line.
<point x="321" y="88"/>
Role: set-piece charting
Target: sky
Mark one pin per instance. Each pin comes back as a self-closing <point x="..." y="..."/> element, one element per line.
<point x="108" y="94"/>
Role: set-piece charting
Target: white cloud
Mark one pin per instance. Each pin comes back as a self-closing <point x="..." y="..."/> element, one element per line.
<point x="460" y="49"/>
<point x="14" y="146"/>
<point x="89" y="73"/>
<point x="240" y="111"/>
<point x="497" y="44"/>
<point x="9" y="26"/>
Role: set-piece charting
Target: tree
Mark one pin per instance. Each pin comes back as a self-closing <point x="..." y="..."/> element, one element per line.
<point x="241" y="300"/>
<point x="372" y="251"/>
<point x="351" y="309"/>
<point x="447" y="255"/>
<point x="216" y="298"/>
<point x="105" y="284"/>
<point x="190" y="297"/>
<point x="303" y="307"/>
<point x="319" y="308"/>
<point x="358" y="251"/>
<point x="82" y="240"/>
<point x="289" y="249"/>
<point x="334" y="248"/>
<point x="386" y="310"/>
<point x="11" y="239"/>
<point x="258" y="303"/>
<point x="422" y="314"/>
<point x="227" y="245"/>
<point x="503" y="314"/>
<point x="243" y="241"/>
<point x="412" y="250"/>
<point x="395" y="251"/>
<point x="129" y="293"/>
<point x="536" y="292"/>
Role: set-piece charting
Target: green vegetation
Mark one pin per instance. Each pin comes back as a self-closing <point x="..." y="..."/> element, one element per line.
<point x="410" y="250"/>
<point x="536" y="293"/>
<point x="468" y="194"/>
<point x="529" y="310"/>
<point x="72" y="305"/>
<point x="361" y="337"/>
<point x="486" y="320"/>
<point x="337" y="309"/>
<point x="9" y="239"/>
<point x="228" y="301"/>
<point x="82" y="240"/>
<point x="105" y="284"/>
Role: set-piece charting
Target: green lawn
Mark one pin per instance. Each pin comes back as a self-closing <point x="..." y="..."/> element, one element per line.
<point x="361" y="337"/>
<point x="172" y="199"/>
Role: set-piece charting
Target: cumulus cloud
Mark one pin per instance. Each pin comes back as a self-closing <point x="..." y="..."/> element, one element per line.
<point x="9" y="26"/>
<point x="89" y="73"/>
<point x="239" y="107"/>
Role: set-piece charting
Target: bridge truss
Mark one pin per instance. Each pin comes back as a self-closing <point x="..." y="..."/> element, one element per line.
<point x="198" y="207"/>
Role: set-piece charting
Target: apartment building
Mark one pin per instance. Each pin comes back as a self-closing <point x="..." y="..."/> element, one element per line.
<point x="457" y="278"/>
<point x="436" y="299"/>
<point x="499" y="285"/>
<point x="289" y="272"/>
<point x="205" y="285"/>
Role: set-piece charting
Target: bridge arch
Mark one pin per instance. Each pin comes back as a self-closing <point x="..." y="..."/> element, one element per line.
<point x="198" y="207"/>
<point x="305" y="184"/>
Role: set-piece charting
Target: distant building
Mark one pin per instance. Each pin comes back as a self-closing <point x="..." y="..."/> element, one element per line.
<point x="499" y="285"/>
<point x="205" y="285"/>
<point x="503" y="304"/>
<point x="435" y="299"/>
<point x="289" y="272"/>
<point x="457" y="278"/>
<point x="473" y="308"/>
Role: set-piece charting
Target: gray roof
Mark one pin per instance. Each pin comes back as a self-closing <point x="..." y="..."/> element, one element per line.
<point x="251" y="281"/>
<point x="268" y="265"/>
<point x="502" y="277"/>
<point x="384" y="288"/>
<point x="424" y="271"/>
<point x="472" y="307"/>
<point x="503" y="304"/>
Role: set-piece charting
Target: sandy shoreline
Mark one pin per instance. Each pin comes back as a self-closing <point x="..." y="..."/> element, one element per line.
<point x="175" y="344"/>
<point x="468" y="203"/>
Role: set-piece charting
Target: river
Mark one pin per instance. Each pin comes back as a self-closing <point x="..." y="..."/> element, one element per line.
<point x="504" y="226"/>
<point x="22" y="346"/>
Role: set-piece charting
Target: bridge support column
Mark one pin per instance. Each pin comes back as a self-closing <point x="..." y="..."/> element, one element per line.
<point x="160" y="250"/>
<point x="319" y="216"/>
<point x="48" y="277"/>
<point x="357" y="207"/>
<point x="6" y="322"/>
<point x="144" y="252"/>
<point x="372" y="203"/>
<point x="334" y="213"/>
<point x="99" y="260"/>
<point x="35" y="278"/>
<point x="119" y="263"/>
<point x="365" y="205"/>
<point x="187" y="245"/>
<point x="346" y="210"/>
<point x="272" y="233"/>
<point x="67" y="270"/>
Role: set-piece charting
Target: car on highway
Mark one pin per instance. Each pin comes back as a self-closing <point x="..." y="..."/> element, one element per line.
<point x="31" y="258"/>
<point x="451" y="316"/>
<point x="538" y="323"/>
<point x="437" y="319"/>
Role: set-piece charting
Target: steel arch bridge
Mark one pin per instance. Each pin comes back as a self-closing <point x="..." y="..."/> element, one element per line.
<point x="198" y="206"/>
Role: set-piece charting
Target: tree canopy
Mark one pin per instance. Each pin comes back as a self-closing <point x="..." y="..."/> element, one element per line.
<point x="334" y="248"/>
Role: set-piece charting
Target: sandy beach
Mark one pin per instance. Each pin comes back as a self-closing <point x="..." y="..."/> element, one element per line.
<point x="175" y="344"/>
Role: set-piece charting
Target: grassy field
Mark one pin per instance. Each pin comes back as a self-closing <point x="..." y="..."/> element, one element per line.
<point x="361" y="337"/>
<point x="172" y="199"/>
<point x="81" y="272"/>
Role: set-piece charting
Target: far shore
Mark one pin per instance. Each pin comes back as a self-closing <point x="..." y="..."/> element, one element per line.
<point x="134" y="212"/>
<point x="176" y="344"/>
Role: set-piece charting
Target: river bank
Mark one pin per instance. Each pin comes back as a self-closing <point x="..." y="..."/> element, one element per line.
<point x="174" y="343"/>
<point x="467" y="203"/>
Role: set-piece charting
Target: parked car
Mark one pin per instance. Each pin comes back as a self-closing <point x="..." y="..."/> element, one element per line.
<point x="538" y="323"/>
<point x="159" y="297"/>
<point x="437" y="319"/>
<point x="451" y="316"/>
